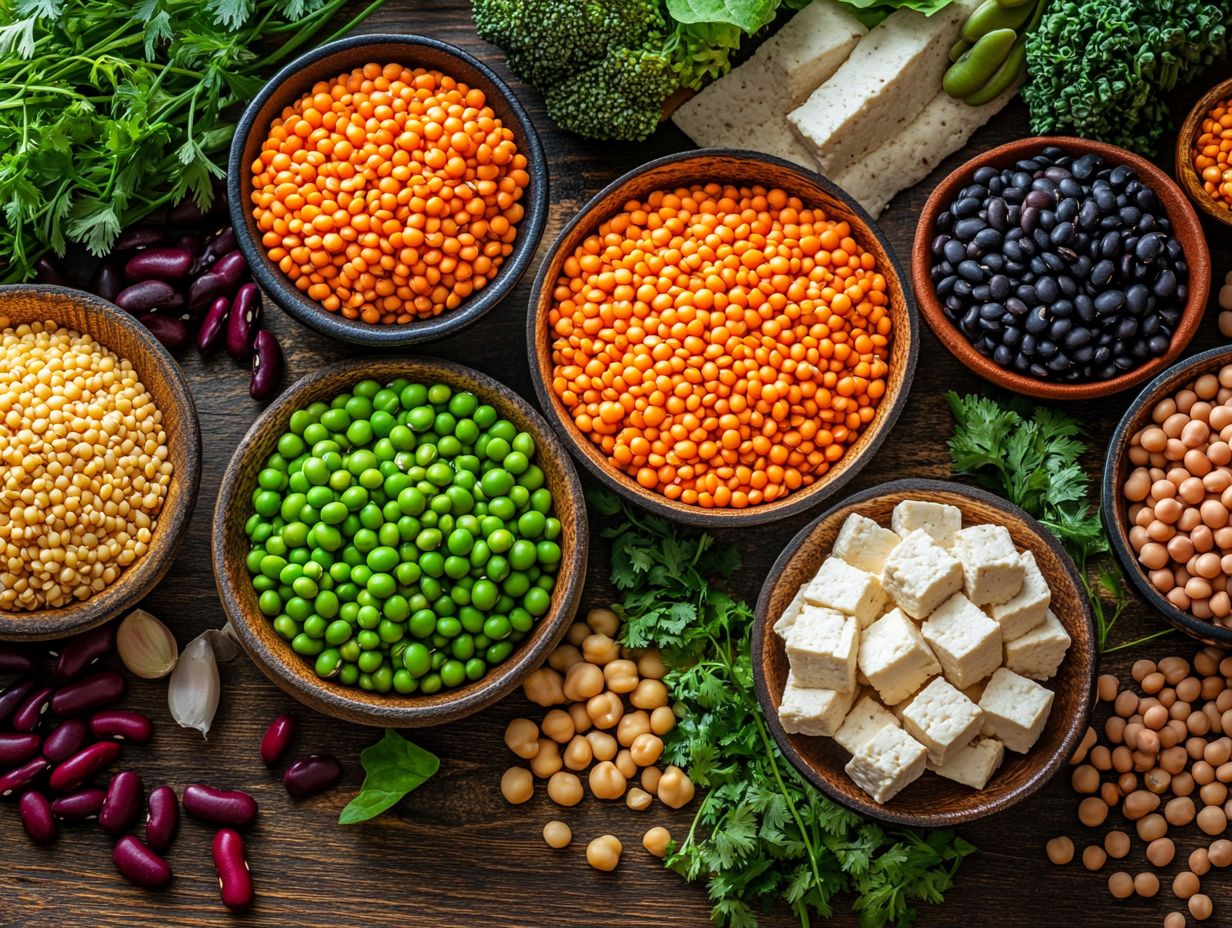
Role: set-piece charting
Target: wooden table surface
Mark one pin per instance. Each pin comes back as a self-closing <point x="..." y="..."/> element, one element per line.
<point x="454" y="853"/>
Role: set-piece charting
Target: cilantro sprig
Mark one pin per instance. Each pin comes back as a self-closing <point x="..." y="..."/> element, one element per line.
<point x="760" y="833"/>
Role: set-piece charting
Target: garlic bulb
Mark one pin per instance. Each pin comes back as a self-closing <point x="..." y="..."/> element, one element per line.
<point x="146" y="645"/>
<point x="194" y="689"/>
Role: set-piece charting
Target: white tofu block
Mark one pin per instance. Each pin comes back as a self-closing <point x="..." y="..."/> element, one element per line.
<point x="1015" y="709"/>
<point x="974" y="764"/>
<point x="822" y="648"/>
<point x="810" y="47"/>
<point x="790" y="614"/>
<point x="944" y="126"/>
<point x="1039" y="653"/>
<point x="888" y="761"/>
<point x="865" y="719"/>
<point x="838" y="585"/>
<point x="942" y="719"/>
<point x="920" y="575"/>
<point x="863" y="543"/>
<point x="1026" y="610"/>
<point x="940" y="520"/>
<point x="965" y="640"/>
<point x="807" y="711"/>
<point x="895" y="658"/>
<point x="992" y="570"/>
<point x="881" y="88"/>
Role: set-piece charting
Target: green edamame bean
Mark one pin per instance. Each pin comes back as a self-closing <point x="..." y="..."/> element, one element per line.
<point x="1003" y="78"/>
<point x="991" y="15"/>
<point x="973" y="70"/>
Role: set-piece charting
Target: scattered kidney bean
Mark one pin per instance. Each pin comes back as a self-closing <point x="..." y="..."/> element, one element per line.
<point x="311" y="775"/>
<point x="80" y="805"/>
<point x="277" y="739"/>
<point x="221" y="807"/>
<point x="89" y="693"/>
<point x="243" y="320"/>
<point x="15" y="660"/>
<point x="145" y="296"/>
<point x="13" y="696"/>
<point x="17" y="748"/>
<point x="121" y="725"/>
<point x="83" y="650"/>
<point x="139" y="864"/>
<point x="170" y="331"/>
<point x="37" y="818"/>
<point x="163" y="819"/>
<point x="21" y="777"/>
<point x="65" y="740"/>
<point x="266" y="366"/>
<point x="71" y="773"/>
<point x="31" y="710"/>
<point x="123" y="803"/>
<point x="166" y="264"/>
<point x="137" y="237"/>
<point x="214" y="326"/>
<point x="234" y="877"/>
<point x="222" y="243"/>
<point x="205" y="289"/>
<point x="108" y="279"/>
<point x="46" y="271"/>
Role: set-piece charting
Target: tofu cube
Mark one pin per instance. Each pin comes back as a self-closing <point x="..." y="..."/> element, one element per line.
<point x="895" y="658"/>
<point x="790" y="614"/>
<point x="940" y="520"/>
<point x="822" y="647"/>
<point x="942" y="719"/>
<point x="1039" y="653"/>
<point x="965" y="640"/>
<point x="807" y="711"/>
<point x="810" y="47"/>
<point x="974" y="764"/>
<point x="993" y="572"/>
<point x="1026" y="610"/>
<point x="865" y="719"/>
<point x="863" y="543"/>
<point x="846" y="589"/>
<point x="1015" y="709"/>
<point x="888" y="761"/>
<point x="920" y="575"/>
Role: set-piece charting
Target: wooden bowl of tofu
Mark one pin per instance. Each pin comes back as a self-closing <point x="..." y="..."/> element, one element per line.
<point x="924" y="653"/>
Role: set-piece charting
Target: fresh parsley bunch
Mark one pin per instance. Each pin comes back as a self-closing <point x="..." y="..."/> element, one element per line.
<point x="761" y="834"/>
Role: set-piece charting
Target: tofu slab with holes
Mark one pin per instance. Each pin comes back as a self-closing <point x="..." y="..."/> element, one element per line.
<point x="822" y="649"/>
<point x="920" y="575"/>
<point x="1038" y="654"/>
<point x="865" y="719"/>
<point x="992" y="570"/>
<point x="939" y="520"/>
<point x="895" y="658"/>
<point x="1015" y="709"/>
<point x="1026" y="610"/>
<point x="838" y="585"/>
<point x="810" y="711"/>
<point x="974" y="764"/>
<point x="863" y="543"/>
<point x="965" y="640"/>
<point x="886" y="763"/>
<point x="942" y="719"/>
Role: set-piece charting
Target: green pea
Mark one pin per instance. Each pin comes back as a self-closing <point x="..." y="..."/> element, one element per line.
<point x="521" y="620"/>
<point x="475" y="669"/>
<point x="520" y="496"/>
<point x="328" y="663"/>
<point x="290" y="445"/>
<point x="497" y="568"/>
<point x="308" y="647"/>
<point x="368" y="617"/>
<point x="417" y="659"/>
<point x="381" y="585"/>
<point x="503" y="429"/>
<point x="448" y="626"/>
<point x="371" y="478"/>
<point x="360" y="406"/>
<point x="533" y="479"/>
<point x="333" y="513"/>
<point x="350" y="651"/>
<point x="370" y="517"/>
<point x="515" y="462"/>
<point x="286" y="627"/>
<point x="297" y="608"/>
<point x="266" y="502"/>
<point x="496" y="482"/>
<point x="339" y="480"/>
<point x="338" y="632"/>
<point x="368" y="640"/>
<point x="404" y="683"/>
<point x="348" y="675"/>
<point x="430" y="587"/>
<point x="453" y="672"/>
<point x="484" y="415"/>
<point x="315" y="433"/>
<point x="522" y="554"/>
<point x="531" y="524"/>
<point x="551" y="528"/>
<point x="387" y="534"/>
<point x="270" y="603"/>
<point x="354" y="498"/>
<point x="467" y="431"/>
<point x="460" y="541"/>
<point x="430" y="684"/>
<point x="516" y="584"/>
<point x="549" y="553"/>
<point x="291" y="505"/>
<point x="423" y="623"/>
<point x="449" y="446"/>
<point x="407" y="573"/>
<point x="456" y="567"/>
<point x="536" y="601"/>
<point x="369" y="661"/>
<point x="382" y="559"/>
<point x="390" y="631"/>
<point x="261" y="583"/>
<point x="484" y="594"/>
<point x="295" y="534"/>
<point x="359" y="432"/>
<point x="498" y="652"/>
<point x="271" y="479"/>
<point x="421" y="418"/>
<point x="496" y="449"/>
<point x="497" y="627"/>
<point x="396" y="608"/>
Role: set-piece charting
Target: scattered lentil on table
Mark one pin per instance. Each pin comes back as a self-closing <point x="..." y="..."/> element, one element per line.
<point x="1212" y="153"/>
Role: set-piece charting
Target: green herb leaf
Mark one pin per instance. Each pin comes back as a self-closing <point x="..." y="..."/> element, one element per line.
<point x="747" y="15"/>
<point x="392" y="767"/>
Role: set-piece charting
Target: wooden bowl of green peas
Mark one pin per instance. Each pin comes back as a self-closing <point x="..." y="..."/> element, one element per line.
<point x="399" y="543"/>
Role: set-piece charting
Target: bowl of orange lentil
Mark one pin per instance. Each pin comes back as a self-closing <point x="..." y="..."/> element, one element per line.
<point x="1204" y="153"/>
<point x="723" y="337"/>
<point x="387" y="190"/>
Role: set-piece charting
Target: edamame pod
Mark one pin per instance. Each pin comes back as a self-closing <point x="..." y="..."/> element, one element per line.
<point x="974" y="69"/>
<point x="1011" y="69"/>
<point x="958" y="49"/>
<point x="991" y="15"/>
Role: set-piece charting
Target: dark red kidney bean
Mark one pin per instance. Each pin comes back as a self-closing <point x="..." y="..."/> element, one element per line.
<point x="221" y="244"/>
<point x="121" y="725"/>
<point x="16" y="748"/>
<point x="243" y="321"/>
<point x="108" y="279"/>
<point x="89" y="693"/>
<point x="13" y="696"/>
<point x="31" y="711"/>
<point x="234" y="877"/>
<point x="277" y="739"/>
<point x="166" y="264"/>
<point x="214" y="326"/>
<point x="163" y="818"/>
<point x="123" y="803"/>
<point x="71" y="773"/>
<point x="19" y="778"/>
<point x="205" y="289"/>
<point x="188" y="213"/>
<point x="231" y="267"/>
<point x="15" y="660"/>
<point x="145" y="296"/>
<point x="138" y="237"/>
<point x="79" y="806"/>
<point x="266" y="366"/>
<point x="192" y="243"/>
<point x="65" y="740"/>
<point x="171" y="331"/>
<point x="222" y="807"/>
<point x="37" y="818"/>
<point x="46" y="271"/>
<point x="83" y="650"/>
<point x="139" y="864"/>
<point x="311" y="775"/>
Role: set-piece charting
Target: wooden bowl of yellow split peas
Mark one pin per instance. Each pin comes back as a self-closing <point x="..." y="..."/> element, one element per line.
<point x="102" y="458"/>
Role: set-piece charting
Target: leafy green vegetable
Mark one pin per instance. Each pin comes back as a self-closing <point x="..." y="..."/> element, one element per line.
<point x="392" y="767"/>
<point x="113" y="110"/>
<point x="746" y="15"/>
<point x="1100" y="68"/>
<point x="760" y="834"/>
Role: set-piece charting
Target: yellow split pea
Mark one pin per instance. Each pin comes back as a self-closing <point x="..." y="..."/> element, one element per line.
<point x="86" y="467"/>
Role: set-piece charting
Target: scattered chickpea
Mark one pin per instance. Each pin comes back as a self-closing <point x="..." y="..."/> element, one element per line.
<point x="1153" y="826"/>
<point x="517" y="785"/>
<point x="606" y="781"/>
<point x="656" y="841"/>
<point x="625" y="764"/>
<point x="1092" y="811"/>
<point x="675" y="788"/>
<point x="603" y="853"/>
<point x="605" y="710"/>
<point x="638" y="799"/>
<point x="522" y="737"/>
<point x="1185" y="884"/>
<point x="621" y="676"/>
<point x="565" y="789"/>
<point x="1160" y="852"/>
<point x="1220" y="853"/>
<point x="600" y="649"/>
<point x="602" y="745"/>
<point x="662" y="720"/>
<point x="1200" y="906"/>
<point x="1116" y="843"/>
<point x="646" y="749"/>
<point x="578" y="632"/>
<point x="583" y="681"/>
<point x="563" y="658"/>
<point x="1174" y="920"/>
<point x="650" y="780"/>
<point x="631" y="725"/>
<point x="578" y="753"/>
<point x="1107" y="686"/>
<point x="581" y="718"/>
<point x="1146" y="884"/>
<point x="1121" y="885"/>
<point x="547" y="761"/>
<point x="649" y="694"/>
<point x="544" y="687"/>
<point x="558" y="725"/>
<point x="1199" y="861"/>
<point x="651" y="665"/>
<point x="603" y="621"/>
<point x="1060" y="850"/>
<point x="557" y="834"/>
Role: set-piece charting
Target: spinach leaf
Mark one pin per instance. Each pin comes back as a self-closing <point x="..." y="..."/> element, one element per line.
<point x="393" y="767"/>
<point x="747" y="15"/>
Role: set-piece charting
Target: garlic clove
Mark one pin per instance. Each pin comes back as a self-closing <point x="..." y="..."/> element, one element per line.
<point x="146" y="645"/>
<point x="194" y="688"/>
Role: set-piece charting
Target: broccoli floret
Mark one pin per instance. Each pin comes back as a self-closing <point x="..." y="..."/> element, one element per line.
<point x="621" y="97"/>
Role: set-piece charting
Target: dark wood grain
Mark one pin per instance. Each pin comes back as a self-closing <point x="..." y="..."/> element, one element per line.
<point x="455" y="854"/>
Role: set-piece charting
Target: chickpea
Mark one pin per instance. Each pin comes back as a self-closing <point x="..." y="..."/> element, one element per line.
<point x="603" y="853"/>
<point x="631" y="725"/>
<point x="578" y="632"/>
<point x="565" y="789"/>
<point x="1185" y="884"/>
<point x="1101" y="758"/>
<point x="1174" y="920"/>
<point x="650" y="779"/>
<point x="625" y="764"/>
<point x="578" y="753"/>
<point x="621" y="676"/>
<point x="1180" y="810"/>
<point x="1094" y="857"/>
<point x="1200" y="861"/>
<point x="581" y="719"/>
<point x="600" y="649"/>
<point x="646" y="749"/>
<point x="563" y="658"/>
<point x="547" y="761"/>
<point x="651" y="665"/>
<point x="657" y="840"/>
<point x="1146" y="884"/>
<point x="544" y="687"/>
<point x="1084" y="746"/>
<point x="1153" y="826"/>
<point x="1092" y="811"/>
<point x="1121" y="885"/>
<point x="1214" y="794"/>
<point x="1141" y="669"/>
<point x="1116" y="843"/>
<point x="606" y="781"/>
<point x="1220" y="853"/>
<point x="1107" y="686"/>
<point x="603" y="622"/>
<point x="1200" y="906"/>
<point x="1110" y="794"/>
<point x="1160" y="852"/>
<point x="605" y="710"/>
<point x="558" y="725"/>
<point x="650" y="694"/>
<point x="1212" y="820"/>
<point x="557" y="834"/>
<point x="583" y="681"/>
<point x="522" y="737"/>
<point x="675" y="788"/>
<point x="602" y="745"/>
<point x="638" y="799"/>
<point x="1060" y="850"/>
<point x="517" y="785"/>
<point x="663" y="720"/>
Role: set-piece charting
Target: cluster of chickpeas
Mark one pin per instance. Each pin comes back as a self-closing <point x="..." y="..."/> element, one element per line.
<point x="85" y="463"/>
<point x="1165" y="759"/>
<point x="608" y="713"/>
<point x="1180" y="495"/>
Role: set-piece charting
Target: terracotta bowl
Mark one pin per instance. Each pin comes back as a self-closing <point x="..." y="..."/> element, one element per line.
<point x="1114" y="508"/>
<point x="123" y="334"/>
<point x="931" y="801"/>
<point x="1186" y="174"/>
<point x="295" y="674"/>
<point x="1185" y="226"/>
<point x="744" y="168"/>
<point x="327" y="62"/>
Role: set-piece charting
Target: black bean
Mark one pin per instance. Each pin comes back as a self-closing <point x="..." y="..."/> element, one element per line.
<point x="1029" y="218"/>
<point x="1149" y="247"/>
<point x="997" y="214"/>
<point x="981" y="292"/>
<point x="1077" y="337"/>
<point x="1062" y="233"/>
<point x="1165" y="283"/>
<point x="1102" y="273"/>
<point x="962" y="288"/>
<point x="945" y="286"/>
<point x="1059" y="329"/>
<point x="1127" y="327"/>
<point x="965" y="229"/>
<point x="1062" y="309"/>
<point x="984" y="175"/>
<point x="953" y="250"/>
<point x="1040" y="199"/>
<point x="969" y="205"/>
<point x="1038" y="320"/>
<point x="1026" y="347"/>
<point x="1002" y="355"/>
<point x="990" y="238"/>
<point x="1151" y="324"/>
<point x="1108" y="302"/>
<point x="990" y="311"/>
<point x="1046" y="349"/>
<point x="1046" y="289"/>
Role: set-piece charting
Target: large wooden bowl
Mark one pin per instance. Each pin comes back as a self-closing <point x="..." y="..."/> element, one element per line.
<point x="327" y="62"/>
<point x="295" y="674"/>
<point x="742" y="168"/>
<point x="1114" y="508"/>
<point x="1185" y="226"/>
<point x="126" y="337"/>
<point x="931" y="801"/>
<point x="1186" y="174"/>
